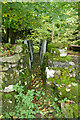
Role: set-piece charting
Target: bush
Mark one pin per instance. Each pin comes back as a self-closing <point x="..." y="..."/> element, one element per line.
<point x="24" y="108"/>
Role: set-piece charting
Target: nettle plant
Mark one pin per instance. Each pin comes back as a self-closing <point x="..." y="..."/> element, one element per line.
<point x="24" y="107"/>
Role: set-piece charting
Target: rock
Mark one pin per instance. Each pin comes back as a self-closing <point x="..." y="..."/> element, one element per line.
<point x="63" y="52"/>
<point x="71" y="63"/>
<point x="58" y="72"/>
<point x="50" y="73"/>
<point x="18" y="49"/>
<point x="8" y="89"/>
<point x="11" y="59"/>
<point x="1" y="54"/>
<point x="49" y="82"/>
<point x="5" y="68"/>
<point x="13" y="65"/>
<point x="9" y="65"/>
<point x="2" y="75"/>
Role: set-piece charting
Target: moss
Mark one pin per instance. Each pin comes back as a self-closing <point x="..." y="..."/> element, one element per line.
<point x="8" y="96"/>
<point x="49" y="67"/>
<point x="24" y="47"/>
<point x="7" y="106"/>
<point x="60" y="59"/>
<point x="56" y="45"/>
<point x="59" y="68"/>
<point x="3" y="85"/>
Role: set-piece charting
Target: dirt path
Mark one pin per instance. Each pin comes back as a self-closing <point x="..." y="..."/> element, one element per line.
<point x="44" y="101"/>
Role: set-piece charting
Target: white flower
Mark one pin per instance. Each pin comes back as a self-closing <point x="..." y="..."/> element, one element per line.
<point x="74" y="75"/>
<point x="21" y="66"/>
<point x="70" y="75"/>
<point x="63" y="84"/>
<point x="66" y="48"/>
<point x="57" y="84"/>
<point x="18" y="73"/>
<point x="66" y="67"/>
<point x="10" y="101"/>
<point x="21" y="70"/>
<point x="67" y="89"/>
<point x="69" y="85"/>
<point x="21" y="60"/>
<point x="60" y="93"/>
<point x="25" y="83"/>
<point x="19" y="82"/>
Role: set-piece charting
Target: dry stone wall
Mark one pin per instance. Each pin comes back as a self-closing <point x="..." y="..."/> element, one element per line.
<point x="53" y="66"/>
<point x="11" y="67"/>
<point x="65" y="85"/>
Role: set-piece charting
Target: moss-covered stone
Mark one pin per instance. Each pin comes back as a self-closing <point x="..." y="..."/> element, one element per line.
<point x="11" y="66"/>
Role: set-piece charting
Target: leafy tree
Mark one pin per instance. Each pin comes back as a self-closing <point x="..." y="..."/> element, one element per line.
<point x="22" y="19"/>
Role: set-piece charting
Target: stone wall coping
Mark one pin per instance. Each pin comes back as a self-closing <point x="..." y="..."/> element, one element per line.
<point x="10" y="59"/>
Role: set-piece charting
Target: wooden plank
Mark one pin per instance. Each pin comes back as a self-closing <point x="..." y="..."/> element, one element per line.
<point x="73" y="47"/>
<point x="73" y="53"/>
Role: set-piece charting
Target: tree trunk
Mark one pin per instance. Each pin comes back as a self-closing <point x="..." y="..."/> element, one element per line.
<point x="12" y="36"/>
<point x="7" y="35"/>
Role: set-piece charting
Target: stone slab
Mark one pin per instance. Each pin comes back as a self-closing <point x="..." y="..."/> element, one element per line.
<point x="11" y="59"/>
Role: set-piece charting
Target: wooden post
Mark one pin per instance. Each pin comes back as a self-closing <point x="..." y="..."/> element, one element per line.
<point x="52" y="31"/>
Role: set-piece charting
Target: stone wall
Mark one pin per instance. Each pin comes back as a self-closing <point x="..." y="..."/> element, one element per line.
<point x="58" y="61"/>
<point x="12" y="66"/>
<point x="59" y="58"/>
<point x="53" y="70"/>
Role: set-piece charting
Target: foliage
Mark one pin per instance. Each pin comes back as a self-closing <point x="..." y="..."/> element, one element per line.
<point x="56" y="45"/>
<point x="72" y="110"/>
<point x="53" y="50"/>
<point x="62" y="81"/>
<point x="24" y="72"/>
<point x="64" y="78"/>
<point x="19" y="41"/>
<point x="36" y="49"/>
<point x="72" y="94"/>
<point x="24" y="107"/>
<point x="22" y="17"/>
<point x="8" y="49"/>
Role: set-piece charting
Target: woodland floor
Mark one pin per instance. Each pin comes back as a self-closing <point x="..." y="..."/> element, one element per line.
<point x="37" y="84"/>
<point x="44" y="102"/>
